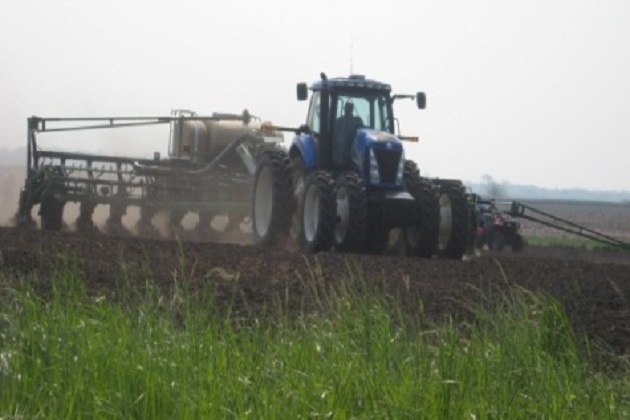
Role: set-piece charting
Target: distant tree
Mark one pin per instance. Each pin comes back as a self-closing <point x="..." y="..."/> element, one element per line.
<point x="492" y="188"/>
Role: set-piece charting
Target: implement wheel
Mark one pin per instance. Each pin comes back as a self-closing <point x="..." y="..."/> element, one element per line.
<point x="318" y="212"/>
<point x="51" y="211"/>
<point x="272" y="204"/>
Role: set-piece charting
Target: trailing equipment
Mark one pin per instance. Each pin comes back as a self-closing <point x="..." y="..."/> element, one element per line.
<point x="209" y="170"/>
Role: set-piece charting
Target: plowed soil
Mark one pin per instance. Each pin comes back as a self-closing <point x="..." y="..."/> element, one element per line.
<point x="592" y="286"/>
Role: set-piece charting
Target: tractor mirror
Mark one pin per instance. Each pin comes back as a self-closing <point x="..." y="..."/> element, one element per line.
<point x="302" y="91"/>
<point x="421" y="100"/>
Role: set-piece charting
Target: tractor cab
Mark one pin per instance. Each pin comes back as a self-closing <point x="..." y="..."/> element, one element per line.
<point x="352" y="126"/>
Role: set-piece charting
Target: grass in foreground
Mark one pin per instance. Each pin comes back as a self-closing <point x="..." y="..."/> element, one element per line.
<point x="73" y="356"/>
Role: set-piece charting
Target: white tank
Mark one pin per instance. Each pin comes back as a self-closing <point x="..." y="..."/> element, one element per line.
<point x="222" y="133"/>
<point x="201" y="141"/>
<point x="188" y="140"/>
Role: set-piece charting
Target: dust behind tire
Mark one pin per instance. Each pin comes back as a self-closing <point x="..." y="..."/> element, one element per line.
<point x="317" y="212"/>
<point x="421" y="239"/>
<point x="454" y="219"/>
<point x="272" y="201"/>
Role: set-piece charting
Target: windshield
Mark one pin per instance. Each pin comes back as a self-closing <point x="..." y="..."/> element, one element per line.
<point x="373" y="108"/>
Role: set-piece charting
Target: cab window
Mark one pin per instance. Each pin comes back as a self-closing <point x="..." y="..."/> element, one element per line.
<point x="313" y="119"/>
<point x="373" y="109"/>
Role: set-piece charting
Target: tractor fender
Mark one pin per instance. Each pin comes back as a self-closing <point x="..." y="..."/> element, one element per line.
<point x="305" y="146"/>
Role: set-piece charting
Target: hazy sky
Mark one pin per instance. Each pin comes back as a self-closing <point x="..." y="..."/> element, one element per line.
<point x="529" y="91"/>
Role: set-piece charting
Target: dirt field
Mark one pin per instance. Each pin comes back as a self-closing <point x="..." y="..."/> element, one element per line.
<point x="593" y="286"/>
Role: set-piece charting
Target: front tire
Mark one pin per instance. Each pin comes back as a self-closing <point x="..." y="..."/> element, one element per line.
<point x="351" y="226"/>
<point x="272" y="203"/>
<point x="317" y="212"/>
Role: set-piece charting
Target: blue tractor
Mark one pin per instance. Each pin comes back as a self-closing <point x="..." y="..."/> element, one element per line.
<point x="344" y="182"/>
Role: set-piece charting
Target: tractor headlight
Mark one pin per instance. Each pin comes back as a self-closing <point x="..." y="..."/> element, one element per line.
<point x="401" y="169"/>
<point x="374" y="176"/>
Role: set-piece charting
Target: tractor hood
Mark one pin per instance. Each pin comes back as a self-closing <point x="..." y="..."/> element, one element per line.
<point x="380" y="157"/>
<point x="380" y="139"/>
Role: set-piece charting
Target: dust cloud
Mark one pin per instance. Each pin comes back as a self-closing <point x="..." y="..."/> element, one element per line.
<point x="11" y="180"/>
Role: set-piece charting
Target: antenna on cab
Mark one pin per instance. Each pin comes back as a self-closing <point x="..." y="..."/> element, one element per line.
<point x="351" y="55"/>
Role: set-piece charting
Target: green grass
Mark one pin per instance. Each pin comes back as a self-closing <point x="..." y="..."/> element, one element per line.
<point x="150" y="354"/>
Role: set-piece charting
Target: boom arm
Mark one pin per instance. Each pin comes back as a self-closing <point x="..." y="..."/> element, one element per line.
<point x="526" y="212"/>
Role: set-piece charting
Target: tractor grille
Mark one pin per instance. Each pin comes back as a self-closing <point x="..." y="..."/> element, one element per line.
<point x="387" y="164"/>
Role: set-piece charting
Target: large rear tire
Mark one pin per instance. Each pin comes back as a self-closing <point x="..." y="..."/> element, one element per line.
<point x="272" y="203"/>
<point x="421" y="239"/>
<point x="454" y="220"/>
<point x="351" y="226"/>
<point x="317" y="212"/>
